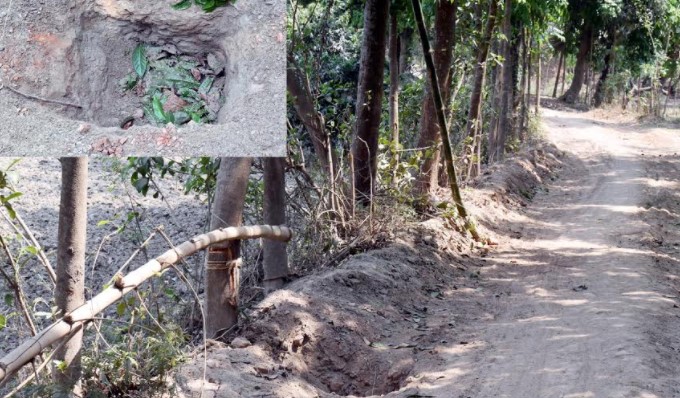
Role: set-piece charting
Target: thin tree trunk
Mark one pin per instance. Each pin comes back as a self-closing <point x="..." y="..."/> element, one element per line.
<point x="223" y="260"/>
<point x="394" y="93"/>
<point x="473" y="130"/>
<point x="524" y="90"/>
<point x="275" y="258"/>
<point x="564" y="74"/>
<point x="70" y="287"/>
<point x="538" y="78"/>
<point x="404" y="49"/>
<point x="572" y="94"/>
<point x="443" y="127"/>
<point x="369" y="98"/>
<point x="428" y="134"/>
<point x="559" y="70"/>
<point x="298" y="88"/>
<point x="497" y="141"/>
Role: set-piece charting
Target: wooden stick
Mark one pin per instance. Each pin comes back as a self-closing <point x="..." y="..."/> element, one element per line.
<point x="23" y="354"/>
<point x="41" y="99"/>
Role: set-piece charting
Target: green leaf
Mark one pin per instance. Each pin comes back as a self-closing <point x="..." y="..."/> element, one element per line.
<point x="3" y="321"/>
<point x="142" y="185"/>
<point x="206" y="85"/>
<point x="139" y="61"/>
<point x="103" y="222"/>
<point x="120" y="308"/>
<point x="32" y="249"/>
<point x="9" y="299"/>
<point x="182" y="5"/>
<point x="158" y="110"/>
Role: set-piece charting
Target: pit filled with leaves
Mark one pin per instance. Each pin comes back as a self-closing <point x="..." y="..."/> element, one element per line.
<point x="173" y="87"/>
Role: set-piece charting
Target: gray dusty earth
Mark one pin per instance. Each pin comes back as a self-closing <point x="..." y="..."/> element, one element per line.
<point x="579" y="298"/>
<point x="77" y="52"/>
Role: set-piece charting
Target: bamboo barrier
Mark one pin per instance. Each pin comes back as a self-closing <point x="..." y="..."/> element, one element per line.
<point x="121" y="285"/>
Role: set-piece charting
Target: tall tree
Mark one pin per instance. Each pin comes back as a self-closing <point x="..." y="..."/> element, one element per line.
<point x="69" y="294"/>
<point x="275" y="259"/>
<point x="497" y="140"/>
<point x="474" y="123"/>
<point x="222" y="277"/>
<point x="428" y="134"/>
<point x="560" y="61"/>
<point x="585" y="42"/>
<point x="369" y="98"/>
<point x="394" y="86"/>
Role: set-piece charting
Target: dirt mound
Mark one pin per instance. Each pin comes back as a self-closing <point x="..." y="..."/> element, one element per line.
<point x="372" y="324"/>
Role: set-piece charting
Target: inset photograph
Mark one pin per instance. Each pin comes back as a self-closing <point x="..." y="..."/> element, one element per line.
<point x="99" y="77"/>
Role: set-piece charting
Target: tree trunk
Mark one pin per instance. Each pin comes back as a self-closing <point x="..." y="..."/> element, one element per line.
<point x="223" y="260"/>
<point x="441" y="120"/>
<point x="538" y="78"/>
<point x="69" y="293"/>
<point x="298" y="88"/>
<point x="473" y="130"/>
<point x="572" y="94"/>
<point x="394" y="93"/>
<point x="275" y="258"/>
<point x="428" y="134"/>
<point x="404" y="48"/>
<point x="497" y="141"/>
<point x="598" y="98"/>
<point x="524" y="90"/>
<point x="369" y="98"/>
<point x="559" y="70"/>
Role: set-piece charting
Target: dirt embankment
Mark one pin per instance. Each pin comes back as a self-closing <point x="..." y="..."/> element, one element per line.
<point x="381" y="319"/>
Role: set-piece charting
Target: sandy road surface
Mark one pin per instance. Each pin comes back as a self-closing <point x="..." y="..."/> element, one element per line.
<point x="580" y="310"/>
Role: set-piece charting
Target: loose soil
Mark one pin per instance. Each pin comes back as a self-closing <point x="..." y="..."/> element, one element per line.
<point x="579" y="298"/>
<point x="79" y="52"/>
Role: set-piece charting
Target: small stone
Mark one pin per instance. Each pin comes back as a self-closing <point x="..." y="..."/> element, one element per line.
<point x="240" y="342"/>
<point x="84" y="128"/>
<point x="138" y="113"/>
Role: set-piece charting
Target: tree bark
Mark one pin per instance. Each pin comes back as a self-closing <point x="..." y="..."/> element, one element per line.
<point x="404" y="48"/>
<point x="473" y="129"/>
<point x="428" y="134"/>
<point x="497" y="140"/>
<point x="559" y="70"/>
<point x="298" y="88"/>
<point x="70" y="287"/>
<point x="274" y="252"/>
<point x="599" y="96"/>
<point x="538" y="78"/>
<point x="223" y="260"/>
<point x="394" y="92"/>
<point x="572" y="94"/>
<point x="369" y="98"/>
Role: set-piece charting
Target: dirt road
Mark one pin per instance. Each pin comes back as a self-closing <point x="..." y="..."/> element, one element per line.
<point x="581" y="306"/>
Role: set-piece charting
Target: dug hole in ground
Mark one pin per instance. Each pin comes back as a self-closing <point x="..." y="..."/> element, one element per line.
<point x="67" y="78"/>
<point x="579" y="298"/>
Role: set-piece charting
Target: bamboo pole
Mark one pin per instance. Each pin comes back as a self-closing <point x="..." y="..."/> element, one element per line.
<point x="13" y="361"/>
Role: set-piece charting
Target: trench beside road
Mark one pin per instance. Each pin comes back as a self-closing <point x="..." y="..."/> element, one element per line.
<point x="582" y="310"/>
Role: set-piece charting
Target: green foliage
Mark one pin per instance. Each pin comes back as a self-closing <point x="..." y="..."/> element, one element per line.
<point x="139" y="354"/>
<point x="175" y="88"/>
<point x="7" y="192"/>
<point x="205" y="5"/>
<point x="198" y="174"/>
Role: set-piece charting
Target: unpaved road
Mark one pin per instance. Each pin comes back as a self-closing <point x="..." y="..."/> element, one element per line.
<point x="580" y="309"/>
